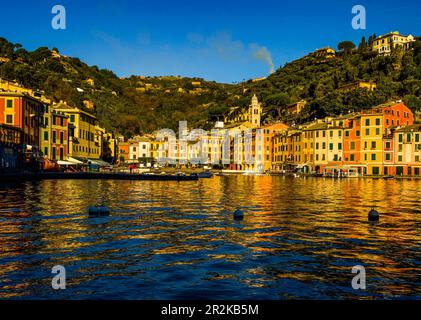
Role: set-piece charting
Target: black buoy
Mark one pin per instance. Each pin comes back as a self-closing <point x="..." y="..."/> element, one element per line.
<point x="373" y="215"/>
<point x="238" y="215"/>
<point x="99" y="211"/>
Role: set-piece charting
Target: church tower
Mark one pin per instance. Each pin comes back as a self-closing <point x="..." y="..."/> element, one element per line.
<point x="255" y="112"/>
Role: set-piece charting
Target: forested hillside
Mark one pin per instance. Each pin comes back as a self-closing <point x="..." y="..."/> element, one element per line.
<point x="143" y="104"/>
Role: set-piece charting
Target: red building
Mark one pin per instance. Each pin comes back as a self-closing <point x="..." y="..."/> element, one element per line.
<point x="24" y="112"/>
<point x="395" y="114"/>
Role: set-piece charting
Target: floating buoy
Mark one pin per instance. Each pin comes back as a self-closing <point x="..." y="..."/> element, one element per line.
<point x="238" y="215"/>
<point x="373" y="215"/>
<point x="99" y="211"/>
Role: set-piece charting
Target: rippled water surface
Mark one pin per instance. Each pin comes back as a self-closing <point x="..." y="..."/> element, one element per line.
<point x="167" y="240"/>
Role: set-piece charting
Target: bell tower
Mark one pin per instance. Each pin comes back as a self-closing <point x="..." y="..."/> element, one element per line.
<point x="255" y="112"/>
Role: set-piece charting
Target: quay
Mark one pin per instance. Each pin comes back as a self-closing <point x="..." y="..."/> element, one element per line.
<point x="19" y="177"/>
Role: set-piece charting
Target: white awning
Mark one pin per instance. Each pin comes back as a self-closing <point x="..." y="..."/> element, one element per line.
<point x="99" y="163"/>
<point x="74" y="161"/>
<point x="65" y="163"/>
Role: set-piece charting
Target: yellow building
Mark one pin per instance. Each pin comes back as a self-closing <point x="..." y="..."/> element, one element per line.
<point x="372" y="130"/>
<point x="288" y="150"/>
<point x="320" y="144"/>
<point x="14" y="87"/>
<point x="296" y="108"/>
<point x="158" y="150"/>
<point x="54" y="134"/>
<point x="335" y="140"/>
<point x="84" y="143"/>
<point x="370" y="86"/>
<point x="385" y="43"/>
<point x="308" y="148"/>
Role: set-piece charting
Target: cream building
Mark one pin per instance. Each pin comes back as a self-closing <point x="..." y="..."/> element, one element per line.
<point x="385" y="43"/>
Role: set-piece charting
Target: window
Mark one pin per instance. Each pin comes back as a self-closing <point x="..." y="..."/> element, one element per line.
<point x="46" y="151"/>
<point x="367" y="122"/>
<point x="72" y="118"/>
<point x="377" y="131"/>
<point x="9" y="103"/>
<point x="400" y="137"/>
<point x="387" y="145"/>
<point x="373" y="156"/>
<point x="352" y="157"/>
<point x="357" y="133"/>
<point x="417" y="137"/>
<point x="399" y="158"/>
<point x="54" y="153"/>
<point x="387" y="156"/>
<point x="373" y="145"/>
<point x="61" y="137"/>
<point x="45" y="135"/>
<point x="352" y="146"/>
<point x="346" y="133"/>
<point x="367" y="132"/>
<point x="331" y="146"/>
<point x="339" y="146"/>
<point x="9" y="119"/>
<point x="377" y="122"/>
<point x="54" y="136"/>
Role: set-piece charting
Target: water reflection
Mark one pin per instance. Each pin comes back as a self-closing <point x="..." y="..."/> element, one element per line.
<point x="166" y="240"/>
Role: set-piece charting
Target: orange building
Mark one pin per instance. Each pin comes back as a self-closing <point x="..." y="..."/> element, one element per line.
<point x="25" y="112"/>
<point x="269" y="132"/>
<point x="352" y="140"/>
<point x="123" y="152"/>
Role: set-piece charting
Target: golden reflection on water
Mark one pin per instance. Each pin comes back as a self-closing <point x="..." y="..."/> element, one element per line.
<point x="311" y="231"/>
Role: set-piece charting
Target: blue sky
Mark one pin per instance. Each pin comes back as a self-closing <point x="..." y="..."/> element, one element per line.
<point x="216" y="40"/>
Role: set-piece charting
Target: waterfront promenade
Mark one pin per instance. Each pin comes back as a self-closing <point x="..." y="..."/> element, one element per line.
<point x="12" y="177"/>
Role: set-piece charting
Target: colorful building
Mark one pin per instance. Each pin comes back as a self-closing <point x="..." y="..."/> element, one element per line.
<point x="407" y="142"/>
<point x="374" y="125"/>
<point x="10" y="147"/>
<point x="25" y="112"/>
<point x="123" y="152"/>
<point x="386" y="43"/>
<point x="84" y="144"/>
<point x="369" y="86"/>
<point x="54" y="135"/>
